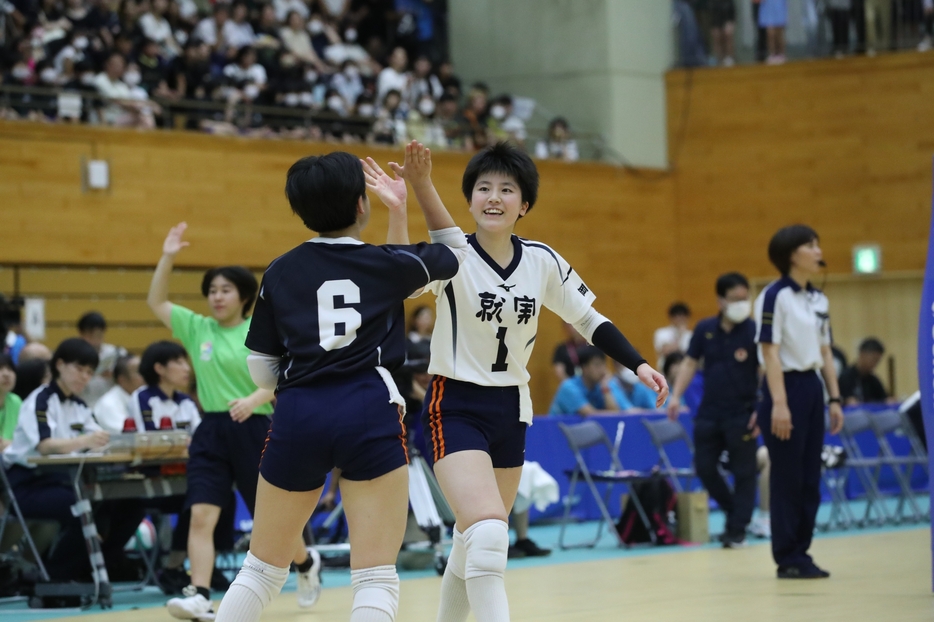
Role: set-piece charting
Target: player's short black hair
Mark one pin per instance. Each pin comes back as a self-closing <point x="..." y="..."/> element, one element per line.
<point x="92" y="320"/>
<point x="506" y="159"/>
<point x="726" y="282"/>
<point x="871" y="344"/>
<point x="678" y="308"/>
<point x="74" y="350"/>
<point x="161" y="352"/>
<point x="323" y="190"/>
<point x="670" y="361"/>
<point x="589" y="353"/>
<point x="122" y="366"/>
<point x="784" y="243"/>
<point x="7" y="361"/>
<point x="242" y="279"/>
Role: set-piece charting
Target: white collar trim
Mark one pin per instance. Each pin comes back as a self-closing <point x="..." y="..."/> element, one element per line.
<point x="343" y="240"/>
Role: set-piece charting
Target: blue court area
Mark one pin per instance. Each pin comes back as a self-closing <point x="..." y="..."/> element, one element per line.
<point x="544" y="535"/>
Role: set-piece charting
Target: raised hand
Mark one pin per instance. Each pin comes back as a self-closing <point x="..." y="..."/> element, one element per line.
<point x="416" y="167"/>
<point x="173" y="241"/>
<point x="390" y="190"/>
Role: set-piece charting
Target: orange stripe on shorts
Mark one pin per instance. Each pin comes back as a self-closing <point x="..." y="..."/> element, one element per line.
<point x="405" y="446"/>
<point x="439" y="448"/>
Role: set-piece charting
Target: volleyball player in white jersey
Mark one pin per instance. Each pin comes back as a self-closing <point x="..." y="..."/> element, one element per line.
<point x="478" y="406"/>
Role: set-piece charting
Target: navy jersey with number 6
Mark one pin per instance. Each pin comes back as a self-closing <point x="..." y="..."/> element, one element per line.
<point x="333" y="306"/>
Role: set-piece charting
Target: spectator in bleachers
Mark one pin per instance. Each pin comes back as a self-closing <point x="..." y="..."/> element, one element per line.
<point x="593" y="391"/>
<point x="297" y="41"/>
<point x="424" y="82"/>
<point x="725" y="345"/>
<point x="246" y="79"/>
<point x="284" y="7"/>
<point x="113" y="408"/>
<point x="267" y="42"/>
<point x="415" y="26"/>
<point x="395" y="77"/>
<point x="210" y="30"/>
<point x="504" y="124"/>
<point x="449" y="82"/>
<point x="153" y="70"/>
<point x="566" y="359"/>
<point x="238" y="32"/>
<point x="676" y="337"/>
<point x="477" y="114"/>
<point x="156" y="27"/>
<point x="722" y="30"/>
<point x="9" y="401"/>
<point x="773" y="16"/>
<point x="13" y="343"/>
<point x="189" y="76"/>
<point x="389" y="127"/>
<point x="453" y="124"/>
<point x="858" y="383"/>
<point x="125" y="108"/>
<point x="421" y="324"/>
<point x="423" y="126"/>
<point x="92" y="327"/>
<point x="558" y="144"/>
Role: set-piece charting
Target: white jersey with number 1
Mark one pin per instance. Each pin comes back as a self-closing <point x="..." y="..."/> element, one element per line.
<point x="487" y="315"/>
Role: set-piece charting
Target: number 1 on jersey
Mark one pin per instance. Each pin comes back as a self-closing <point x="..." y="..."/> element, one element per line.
<point x="500" y="364"/>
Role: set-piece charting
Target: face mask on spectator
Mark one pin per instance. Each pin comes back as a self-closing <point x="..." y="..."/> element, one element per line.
<point x="738" y="311"/>
<point x="132" y="78"/>
<point x="315" y="27"/>
<point x="251" y="91"/>
<point x="335" y="103"/>
<point x="350" y="35"/>
<point x="311" y="76"/>
<point x="365" y="110"/>
<point x="426" y="107"/>
<point x="80" y="43"/>
<point x="352" y="72"/>
<point x="306" y="99"/>
<point x="290" y="99"/>
<point x="21" y="72"/>
<point x="498" y="112"/>
<point x="49" y="75"/>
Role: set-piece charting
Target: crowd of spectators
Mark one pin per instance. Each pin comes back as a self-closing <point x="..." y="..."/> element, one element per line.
<point x="343" y="70"/>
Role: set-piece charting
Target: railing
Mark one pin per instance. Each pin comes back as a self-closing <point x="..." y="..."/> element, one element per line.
<point x="242" y="118"/>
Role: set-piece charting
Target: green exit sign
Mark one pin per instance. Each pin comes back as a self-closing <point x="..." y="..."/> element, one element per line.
<point x="867" y="259"/>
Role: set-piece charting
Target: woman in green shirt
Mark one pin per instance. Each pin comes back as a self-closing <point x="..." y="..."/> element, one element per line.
<point x="9" y="401"/>
<point x="227" y="446"/>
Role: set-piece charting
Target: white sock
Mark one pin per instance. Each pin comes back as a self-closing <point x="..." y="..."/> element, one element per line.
<point x="375" y="594"/>
<point x="454" y="607"/>
<point x="487" y="544"/>
<point x="252" y="590"/>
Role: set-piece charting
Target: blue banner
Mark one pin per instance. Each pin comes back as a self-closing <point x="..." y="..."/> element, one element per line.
<point x="926" y="362"/>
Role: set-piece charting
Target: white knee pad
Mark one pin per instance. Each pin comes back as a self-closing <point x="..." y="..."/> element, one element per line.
<point x="262" y="579"/>
<point x="376" y="588"/>
<point x="457" y="560"/>
<point x="487" y="544"/>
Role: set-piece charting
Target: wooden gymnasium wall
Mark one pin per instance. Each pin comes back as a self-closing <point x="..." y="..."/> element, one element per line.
<point x="615" y="229"/>
<point x="843" y="145"/>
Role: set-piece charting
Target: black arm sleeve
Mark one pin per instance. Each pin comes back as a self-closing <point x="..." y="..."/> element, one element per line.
<point x="615" y="345"/>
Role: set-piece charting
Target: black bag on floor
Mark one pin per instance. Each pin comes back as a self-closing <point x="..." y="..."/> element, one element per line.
<point x="658" y="499"/>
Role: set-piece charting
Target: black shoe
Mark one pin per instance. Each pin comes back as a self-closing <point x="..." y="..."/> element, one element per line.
<point x="733" y="541"/>
<point x="808" y="572"/>
<point x="530" y="549"/>
<point x="173" y="580"/>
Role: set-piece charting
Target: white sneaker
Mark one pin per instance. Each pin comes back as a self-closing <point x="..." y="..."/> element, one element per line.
<point x="191" y="606"/>
<point x="728" y="61"/>
<point x="309" y="583"/>
<point x="925" y="44"/>
<point x="761" y="527"/>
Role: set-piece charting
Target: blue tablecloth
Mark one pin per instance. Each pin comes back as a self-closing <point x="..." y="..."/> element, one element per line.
<point x="546" y="445"/>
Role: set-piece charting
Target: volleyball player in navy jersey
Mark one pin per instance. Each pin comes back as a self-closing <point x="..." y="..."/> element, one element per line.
<point x="478" y="406"/>
<point x="328" y="328"/>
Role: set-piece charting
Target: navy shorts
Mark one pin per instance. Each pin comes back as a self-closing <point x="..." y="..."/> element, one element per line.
<point x="223" y="453"/>
<point x="460" y="416"/>
<point x="348" y="423"/>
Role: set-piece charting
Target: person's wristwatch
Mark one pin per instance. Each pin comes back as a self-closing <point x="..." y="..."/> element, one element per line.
<point x="835" y="400"/>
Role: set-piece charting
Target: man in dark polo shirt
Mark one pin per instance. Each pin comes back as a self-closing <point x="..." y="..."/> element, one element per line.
<point x="726" y="345"/>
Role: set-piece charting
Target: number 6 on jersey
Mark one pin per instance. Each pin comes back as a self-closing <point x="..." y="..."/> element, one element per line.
<point x="338" y="322"/>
